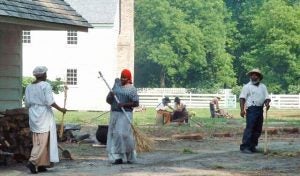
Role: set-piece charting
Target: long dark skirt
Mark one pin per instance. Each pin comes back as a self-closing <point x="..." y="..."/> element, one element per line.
<point x="180" y="116"/>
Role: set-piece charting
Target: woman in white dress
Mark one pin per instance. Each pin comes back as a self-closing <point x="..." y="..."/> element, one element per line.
<point x="39" y="101"/>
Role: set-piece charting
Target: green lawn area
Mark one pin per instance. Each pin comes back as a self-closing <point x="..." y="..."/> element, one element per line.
<point x="146" y="121"/>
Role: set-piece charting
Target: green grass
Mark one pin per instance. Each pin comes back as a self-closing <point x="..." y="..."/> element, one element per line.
<point x="187" y="151"/>
<point x="146" y="120"/>
<point x="83" y="117"/>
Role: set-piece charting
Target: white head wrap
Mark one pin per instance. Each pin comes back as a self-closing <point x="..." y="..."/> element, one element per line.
<point x="39" y="70"/>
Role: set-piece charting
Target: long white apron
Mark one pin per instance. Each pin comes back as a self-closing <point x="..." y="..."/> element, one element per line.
<point x="53" y="143"/>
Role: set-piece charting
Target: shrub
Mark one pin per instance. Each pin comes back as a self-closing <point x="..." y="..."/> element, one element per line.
<point x="57" y="84"/>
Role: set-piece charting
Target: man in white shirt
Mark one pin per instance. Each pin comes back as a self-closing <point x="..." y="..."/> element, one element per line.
<point x="253" y="97"/>
<point x="39" y="100"/>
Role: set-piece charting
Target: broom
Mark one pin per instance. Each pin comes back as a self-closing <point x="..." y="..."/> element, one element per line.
<point x="62" y="120"/>
<point x="143" y="143"/>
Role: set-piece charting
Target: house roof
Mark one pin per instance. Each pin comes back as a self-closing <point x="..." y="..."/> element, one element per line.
<point x="96" y="11"/>
<point x="40" y="11"/>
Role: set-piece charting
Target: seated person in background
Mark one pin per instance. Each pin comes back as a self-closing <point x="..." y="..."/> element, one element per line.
<point x="213" y="102"/>
<point x="180" y="113"/>
<point x="162" y="110"/>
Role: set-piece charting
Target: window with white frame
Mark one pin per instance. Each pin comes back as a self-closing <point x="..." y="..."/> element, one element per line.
<point x="72" y="38"/>
<point x="72" y="76"/>
<point x="26" y="37"/>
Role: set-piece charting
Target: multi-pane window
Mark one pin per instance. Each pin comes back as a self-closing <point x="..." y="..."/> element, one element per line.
<point x="72" y="37"/>
<point x="26" y="37"/>
<point x="72" y="76"/>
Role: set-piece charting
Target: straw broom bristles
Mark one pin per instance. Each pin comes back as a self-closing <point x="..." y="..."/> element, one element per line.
<point x="143" y="143"/>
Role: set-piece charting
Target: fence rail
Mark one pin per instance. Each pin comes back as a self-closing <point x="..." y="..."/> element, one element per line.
<point x="152" y="99"/>
<point x="191" y="100"/>
<point x="282" y="101"/>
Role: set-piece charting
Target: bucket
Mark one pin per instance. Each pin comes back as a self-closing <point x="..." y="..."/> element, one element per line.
<point x="101" y="134"/>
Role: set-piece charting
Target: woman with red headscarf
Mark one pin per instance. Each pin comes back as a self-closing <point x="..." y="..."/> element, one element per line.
<point x="120" y="139"/>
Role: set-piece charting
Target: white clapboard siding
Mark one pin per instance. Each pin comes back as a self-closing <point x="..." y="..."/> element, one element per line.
<point x="10" y="69"/>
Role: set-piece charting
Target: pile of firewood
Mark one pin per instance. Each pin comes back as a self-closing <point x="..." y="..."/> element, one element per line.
<point x="15" y="135"/>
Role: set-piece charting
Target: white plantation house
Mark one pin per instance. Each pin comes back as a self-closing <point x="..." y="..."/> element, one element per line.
<point x="78" y="56"/>
<point x="17" y="16"/>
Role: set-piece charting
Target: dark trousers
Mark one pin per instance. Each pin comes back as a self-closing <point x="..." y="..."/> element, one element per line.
<point x="180" y="116"/>
<point x="212" y="110"/>
<point x="254" y="123"/>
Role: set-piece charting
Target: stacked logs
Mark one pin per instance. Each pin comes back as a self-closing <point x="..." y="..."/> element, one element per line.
<point x="15" y="135"/>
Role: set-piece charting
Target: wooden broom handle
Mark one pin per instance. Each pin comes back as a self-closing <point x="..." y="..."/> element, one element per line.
<point x="63" y="116"/>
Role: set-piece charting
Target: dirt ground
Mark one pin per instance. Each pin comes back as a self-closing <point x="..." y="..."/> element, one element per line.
<point x="209" y="156"/>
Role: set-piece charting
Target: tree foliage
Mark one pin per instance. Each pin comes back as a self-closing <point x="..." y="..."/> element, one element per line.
<point x="269" y="37"/>
<point x="213" y="44"/>
<point x="184" y="41"/>
<point x="57" y="85"/>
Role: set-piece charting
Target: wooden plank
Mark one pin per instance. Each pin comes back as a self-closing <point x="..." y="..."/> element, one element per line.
<point x="10" y="41"/>
<point x="10" y="94"/>
<point x="10" y="58"/>
<point x="9" y="82"/>
<point x="10" y="27"/>
<point x="10" y="71"/>
<point x="40" y="25"/>
<point x="9" y="105"/>
<point x="194" y="136"/>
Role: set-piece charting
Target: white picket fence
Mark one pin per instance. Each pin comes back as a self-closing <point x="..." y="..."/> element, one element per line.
<point x="152" y="97"/>
<point x="282" y="101"/>
<point x="191" y="100"/>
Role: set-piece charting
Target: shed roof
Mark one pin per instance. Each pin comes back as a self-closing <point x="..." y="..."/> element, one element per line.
<point x="96" y="11"/>
<point x="41" y="13"/>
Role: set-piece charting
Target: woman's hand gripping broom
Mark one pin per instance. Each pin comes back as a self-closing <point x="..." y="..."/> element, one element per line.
<point x="143" y="143"/>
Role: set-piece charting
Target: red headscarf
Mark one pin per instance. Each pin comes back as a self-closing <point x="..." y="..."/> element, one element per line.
<point x="126" y="74"/>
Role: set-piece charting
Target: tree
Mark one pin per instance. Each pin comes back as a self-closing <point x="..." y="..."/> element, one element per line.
<point x="243" y="12"/>
<point x="164" y="40"/>
<point x="185" y="40"/>
<point x="275" y="44"/>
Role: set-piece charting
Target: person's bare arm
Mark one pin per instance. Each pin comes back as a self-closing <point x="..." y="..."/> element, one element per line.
<point x="63" y="110"/>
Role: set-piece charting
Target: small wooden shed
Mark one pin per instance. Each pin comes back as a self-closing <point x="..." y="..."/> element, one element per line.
<point x="19" y="15"/>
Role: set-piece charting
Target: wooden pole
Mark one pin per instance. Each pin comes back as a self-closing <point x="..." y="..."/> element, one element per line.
<point x="63" y="116"/>
<point x="266" y="133"/>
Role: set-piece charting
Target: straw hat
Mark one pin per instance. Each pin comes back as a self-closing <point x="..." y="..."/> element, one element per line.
<point x="256" y="70"/>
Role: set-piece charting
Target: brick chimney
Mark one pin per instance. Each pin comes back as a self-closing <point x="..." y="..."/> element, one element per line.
<point x="125" y="46"/>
